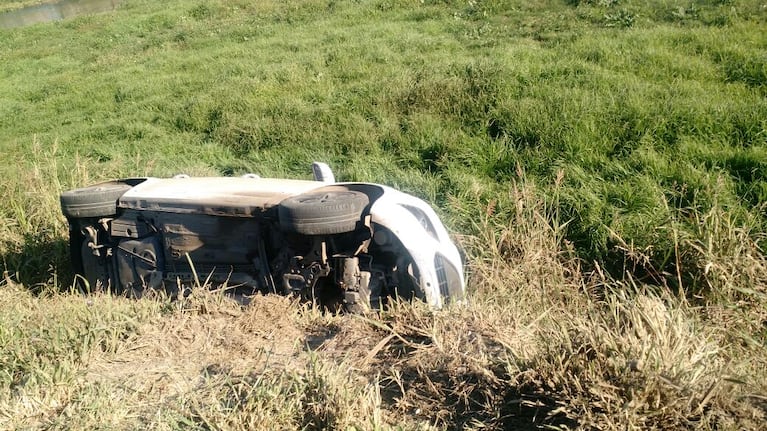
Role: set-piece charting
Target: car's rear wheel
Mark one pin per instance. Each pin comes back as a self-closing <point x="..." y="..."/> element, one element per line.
<point x="322" y="213"/>
<point x="94" y="201"/>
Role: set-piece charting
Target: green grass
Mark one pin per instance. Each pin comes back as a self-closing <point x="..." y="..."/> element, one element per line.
<point x="644" y="121"/>
<point x="641" y="128"/>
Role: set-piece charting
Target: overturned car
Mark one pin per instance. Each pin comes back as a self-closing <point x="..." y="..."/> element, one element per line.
<point x="341" y="245"/>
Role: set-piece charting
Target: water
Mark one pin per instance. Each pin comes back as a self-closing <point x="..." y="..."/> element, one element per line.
<point x="55" y="11"/>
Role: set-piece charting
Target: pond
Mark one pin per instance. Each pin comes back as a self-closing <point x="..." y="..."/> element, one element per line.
<point x="48" y="12"/>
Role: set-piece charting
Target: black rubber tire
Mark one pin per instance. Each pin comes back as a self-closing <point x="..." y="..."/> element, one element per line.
<point x="94" y="201"/>
<point x="322" y="213"/>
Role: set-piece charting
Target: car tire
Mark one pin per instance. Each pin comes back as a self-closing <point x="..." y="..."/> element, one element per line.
<point x="94" y="201"/>
<point x="322" y="213"/>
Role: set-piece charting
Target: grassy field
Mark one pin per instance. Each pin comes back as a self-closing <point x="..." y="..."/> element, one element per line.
<point x="602" y="163"/>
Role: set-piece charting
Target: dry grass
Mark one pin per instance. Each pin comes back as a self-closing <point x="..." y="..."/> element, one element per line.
<point x="539" y="344"/>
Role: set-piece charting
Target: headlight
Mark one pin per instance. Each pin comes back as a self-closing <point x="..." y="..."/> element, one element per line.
<point x="423" y="220"/>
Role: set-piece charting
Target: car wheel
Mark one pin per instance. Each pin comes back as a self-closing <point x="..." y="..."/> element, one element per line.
<point x="94" y="201"/>
<point x="323" y="213"/>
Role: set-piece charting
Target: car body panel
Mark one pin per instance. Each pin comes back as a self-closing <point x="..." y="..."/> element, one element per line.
<point x="423" y="238"/>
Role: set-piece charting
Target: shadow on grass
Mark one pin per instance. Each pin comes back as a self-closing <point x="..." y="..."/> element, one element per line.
<point x="39" y="262"/>
<point x="465" y="399"/>
<point x="460" y="395"/>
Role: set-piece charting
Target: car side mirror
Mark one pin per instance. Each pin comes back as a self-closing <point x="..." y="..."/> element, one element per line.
<point x="322" y="172"/>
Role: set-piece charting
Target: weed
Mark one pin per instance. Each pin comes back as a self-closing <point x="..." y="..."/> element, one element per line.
<point x="621" y="18"/>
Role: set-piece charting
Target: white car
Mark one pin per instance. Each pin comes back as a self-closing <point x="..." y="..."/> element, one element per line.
<point x="341" y="245"/>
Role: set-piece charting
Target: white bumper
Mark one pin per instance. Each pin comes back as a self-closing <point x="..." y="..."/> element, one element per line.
<point x="417" y="226"/>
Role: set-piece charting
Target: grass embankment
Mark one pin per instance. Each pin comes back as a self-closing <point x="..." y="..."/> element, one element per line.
<point x="606" y="162"/>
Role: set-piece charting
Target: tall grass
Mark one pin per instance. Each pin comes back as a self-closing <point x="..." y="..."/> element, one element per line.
<point x="540" y="343"/>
